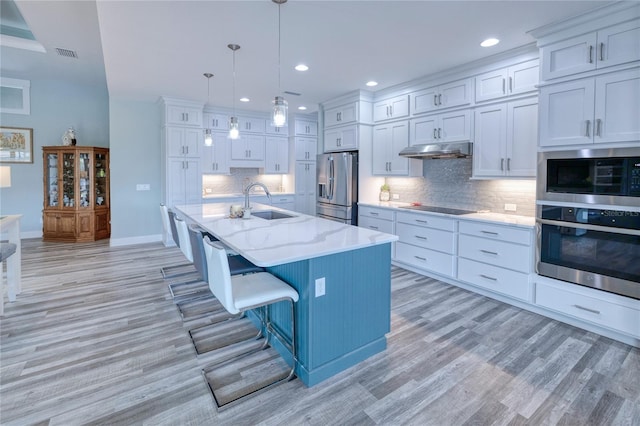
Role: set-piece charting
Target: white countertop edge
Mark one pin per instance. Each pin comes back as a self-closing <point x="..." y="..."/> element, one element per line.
<point x="527" y="222"/>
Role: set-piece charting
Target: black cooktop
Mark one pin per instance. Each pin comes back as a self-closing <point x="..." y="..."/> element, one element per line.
<point x="434" y="209"/>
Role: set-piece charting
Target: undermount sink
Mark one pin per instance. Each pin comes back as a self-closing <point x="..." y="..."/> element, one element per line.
<point x="271" y="214"/>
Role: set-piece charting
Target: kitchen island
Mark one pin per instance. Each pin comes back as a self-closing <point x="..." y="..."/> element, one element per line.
<point x="341" y="272"/>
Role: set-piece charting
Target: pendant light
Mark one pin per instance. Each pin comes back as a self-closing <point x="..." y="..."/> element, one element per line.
<point x="208" y="136"/>
<point x="234" y="128"/>
<point x="279" y="104"/>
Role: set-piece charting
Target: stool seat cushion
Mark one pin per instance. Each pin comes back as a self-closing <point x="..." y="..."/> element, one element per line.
<point x="259" y="289"/>
<point x="6" y="250"/>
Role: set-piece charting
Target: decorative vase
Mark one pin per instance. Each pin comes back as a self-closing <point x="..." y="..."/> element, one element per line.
<point x="384" y="196"/>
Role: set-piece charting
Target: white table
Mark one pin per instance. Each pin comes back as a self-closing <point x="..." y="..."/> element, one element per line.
<point x="10" y="228"/>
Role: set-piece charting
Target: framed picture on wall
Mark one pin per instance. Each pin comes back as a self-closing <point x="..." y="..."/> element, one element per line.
<point x="16" y="145"/>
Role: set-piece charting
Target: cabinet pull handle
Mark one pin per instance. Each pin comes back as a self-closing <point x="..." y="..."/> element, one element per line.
<point x="440" y="99"/>
<point x="421" y="221"/>
<point x="435" y="133"/>
<point x="439" y="132"/>
<point x="187" y="114"/>
<point x="420" y="258"/>
<point x="508" y="164"/>
<point x="593" y="311"/>
<point x="420" y="237"/>
<point x="374" y="213"/>
<point x="602" y="51"/>
<point x="504" y="86"/>
<point x="590" y="54"/>
<point x="435" y="100"/>
<point x="588" y="129"/>
<point x="489" y="252"/>
<point x="502" y="164"/>
<point x="249" y="153"/>
<point x="489" y="232"/>
<point x="510" y="84"/>
<point x="373" y="227"/>
<point x="598" y="127"/>
<point x="391" y="111"/>
<point x="488" y="277"/>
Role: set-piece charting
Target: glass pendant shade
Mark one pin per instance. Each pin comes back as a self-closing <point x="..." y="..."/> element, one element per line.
<point x="280" y="110"/>
<point x="208" y="137"/>
<point x="234" y="128"/>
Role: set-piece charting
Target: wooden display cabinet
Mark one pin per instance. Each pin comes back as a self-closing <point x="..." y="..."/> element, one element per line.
<point x="76" y="193"/>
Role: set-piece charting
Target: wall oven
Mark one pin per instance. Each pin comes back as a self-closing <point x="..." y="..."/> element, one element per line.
<point x="588" y="218"/>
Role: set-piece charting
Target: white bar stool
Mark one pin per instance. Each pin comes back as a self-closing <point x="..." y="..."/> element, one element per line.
<point x="169" y="227"/>
<point x="6" y="250"/>
<point x="240" y="293"/>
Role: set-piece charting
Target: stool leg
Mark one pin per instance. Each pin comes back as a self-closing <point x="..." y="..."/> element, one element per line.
<point x="1" y="290"/>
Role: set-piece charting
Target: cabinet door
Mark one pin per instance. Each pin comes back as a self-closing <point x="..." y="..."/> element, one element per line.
<point x="305" y="149"/>
<point x="522" y="138"/>
<point x="617" y="114"/>
<point x="214" y="158"/>
<point x="456" y="93"/>
<point x="184" y="115"/>
<point x="491" y="85"/>
<point x="251" y="124"/>
<point x="341" y="139"/>
<point x="193" y="182"/>
<point x="306" y="128"/>
<point x="175" y="141"/>
<point x="276" y="159"/>
<point x="193" y="116"/>
<point x="216" y="121"/>
<point x="193" y="141"/>
<point x="424" y="100"/>
<point x="341" y="115"/>
<point x="523" y="78"/>
<point x="489" y="143"/>
<point x="276" y="131"/>
<point x="175" y="182"/>
<point x="399" y="140"/>
<point x="619" y="44"/>
<point x="305" y="200"/>
<point x="423" y="130"/>
<point x="397" y="107"/>
<point x="566" y="113"/>
<point x="255" y="145"/>
<point x="569" y="57"/>
<point x="381" y="153"/>
<point x="455" y="126"/>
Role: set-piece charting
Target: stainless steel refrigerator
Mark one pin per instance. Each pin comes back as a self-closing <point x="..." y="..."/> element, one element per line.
<point x="337" y="180"/>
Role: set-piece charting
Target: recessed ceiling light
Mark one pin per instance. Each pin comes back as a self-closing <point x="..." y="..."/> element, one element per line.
<point x="244" y="99"/>
<point x="302" y="108"/>
<point x="301" y="67"/>
<point x="372" y="83"/>
<point x="490" y="42"/>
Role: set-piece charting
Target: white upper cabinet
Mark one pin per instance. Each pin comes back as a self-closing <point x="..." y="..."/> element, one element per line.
<point x="251" y="124"/>
<point x="615" y="45"/>
<point x="505" y="141"/>
<point x="388" y="140"/>
<point x="248" y="148"/>
<point x="341" y="139"/>
<point x="275" y="131"/>
<point x="184" y="141"/>
<point x="514" y="80"/>
<point x="447" y="127"/>
<point x="215" y="158"/>
<point x="276" y="156"/>
<point x="448" y="95"/>
<point x="215" y="121"/>
<point x="344" y="114"/>
<point x="306" y="128"/>
<point x="393" y="108"/>
<point x="183" y="115"/>
<point x="602" y="109"/>
<point x="306" y="149"/>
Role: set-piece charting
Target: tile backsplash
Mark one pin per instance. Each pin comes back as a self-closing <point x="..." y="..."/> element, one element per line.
<point x="447" y="183"/>
<point x="239" y="178"/>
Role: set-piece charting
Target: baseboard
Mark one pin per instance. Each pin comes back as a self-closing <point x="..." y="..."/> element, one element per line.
<point x="116" y="242"/>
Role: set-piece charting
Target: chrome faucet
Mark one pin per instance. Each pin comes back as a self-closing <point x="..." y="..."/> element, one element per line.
<point x="247" y="190"/>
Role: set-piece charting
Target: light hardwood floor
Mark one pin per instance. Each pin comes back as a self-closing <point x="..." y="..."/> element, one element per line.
<point x="95" y="338"/>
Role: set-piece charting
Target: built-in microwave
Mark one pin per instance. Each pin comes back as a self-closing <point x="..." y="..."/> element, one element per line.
<point x="593" y="176"/>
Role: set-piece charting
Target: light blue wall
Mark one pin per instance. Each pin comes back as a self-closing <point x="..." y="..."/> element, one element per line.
<point x="55" y="106"/>
<point x="135" y="159"/>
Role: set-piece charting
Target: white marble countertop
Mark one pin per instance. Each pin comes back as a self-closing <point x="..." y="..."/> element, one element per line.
<point x="499" y="218"/>
<point x="276" y="242"/>
<point x="240" y="194"/>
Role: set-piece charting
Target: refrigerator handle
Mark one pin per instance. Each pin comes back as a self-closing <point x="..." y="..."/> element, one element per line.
<point x="331" y="178"/>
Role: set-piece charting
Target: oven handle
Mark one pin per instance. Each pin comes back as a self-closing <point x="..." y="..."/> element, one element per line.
<point x="538" y="246"/>
<point x="589" y="227"/>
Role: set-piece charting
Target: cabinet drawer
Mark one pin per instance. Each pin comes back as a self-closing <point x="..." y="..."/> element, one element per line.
<point x="277" y="200"/>
<point x="430" y="221"/>
<point x="497" y="232"/>
<point x="583" y="306"/>
<point x="435" y="239"/>
<point x="498" y="253"/>
<point x="376" y="224"/>
<point x="500" y="280"/>
<point x="426" y="259"/>
<point x="377" y="213"/>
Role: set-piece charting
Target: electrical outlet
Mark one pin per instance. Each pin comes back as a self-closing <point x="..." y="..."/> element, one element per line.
<point x="320" y="287"/>
<point x="143" y="187"/>
<point x="510" y="207"/>
<point x="396" y="196"/>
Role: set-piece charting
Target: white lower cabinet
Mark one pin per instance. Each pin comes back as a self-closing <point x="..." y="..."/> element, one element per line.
<point x="184" y="181"/>
<point x="497" y="258"/>
<point x="286" y="202"/>
<point x="375" y="219"/>
<point x="604" y="309"/>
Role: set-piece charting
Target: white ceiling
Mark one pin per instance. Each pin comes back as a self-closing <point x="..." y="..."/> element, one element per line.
<point x="146" y="49"/>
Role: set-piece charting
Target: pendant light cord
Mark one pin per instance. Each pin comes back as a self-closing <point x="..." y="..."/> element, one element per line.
<point x="279" y="43"/>
<point x="234" y="83"/>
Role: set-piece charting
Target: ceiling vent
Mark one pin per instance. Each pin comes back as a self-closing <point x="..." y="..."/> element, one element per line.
<point x="66" y="53"/>
<point x="291" y="93"/>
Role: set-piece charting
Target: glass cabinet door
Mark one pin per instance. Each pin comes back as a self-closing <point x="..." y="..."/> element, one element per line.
<point x="68" y="179"/>
<point x="84" y="177"/>
<point x="52" y="180"/>
<point x="101" y="179"/>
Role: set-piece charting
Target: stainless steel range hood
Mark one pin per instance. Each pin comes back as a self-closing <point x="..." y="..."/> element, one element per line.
<point x="438" y="150"/>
